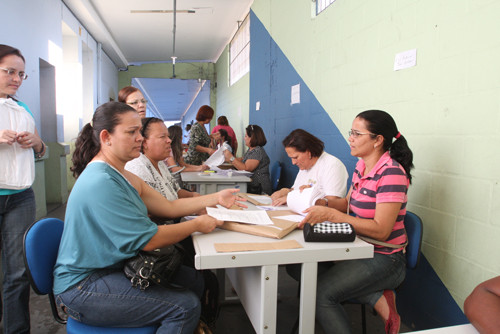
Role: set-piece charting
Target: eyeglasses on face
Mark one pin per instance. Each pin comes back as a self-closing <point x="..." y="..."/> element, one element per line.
<point x="12" y="72"/>
<point x="356" y="134"/>
<point x="136" y="102"/>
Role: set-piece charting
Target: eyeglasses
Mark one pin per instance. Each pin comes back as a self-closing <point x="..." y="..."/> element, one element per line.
<point x="136" y="102"/>
<point x="12" y="72"/>
<point x="356" y="134"/>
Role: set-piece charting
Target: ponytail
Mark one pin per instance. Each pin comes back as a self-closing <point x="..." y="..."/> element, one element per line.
<point x="87" y="145"/>
<point x="381" y="123"/>
<point x="86" y="148"/>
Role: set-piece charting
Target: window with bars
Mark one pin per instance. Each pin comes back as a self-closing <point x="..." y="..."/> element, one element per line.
<point x="239" y="52"/>
<point x="322" y="4"/>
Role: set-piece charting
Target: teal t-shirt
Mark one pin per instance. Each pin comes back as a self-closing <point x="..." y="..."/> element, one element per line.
<point x="11" y="191"/>
<point x="106" y="222"/>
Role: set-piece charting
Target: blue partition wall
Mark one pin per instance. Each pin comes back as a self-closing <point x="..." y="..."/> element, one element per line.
<point x="271" y="79"/>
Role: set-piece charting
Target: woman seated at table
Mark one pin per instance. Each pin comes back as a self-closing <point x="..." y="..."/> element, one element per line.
<point x="199" y="139"/>
<point x="175" y="161"/>
<point x="150" y="165"/>
<point x="316" y="168"/>
<point x="219" y="138"/>
<point x="107" y="222"/>
<point x="378" y="197"/>
<point x="255" y="160"/>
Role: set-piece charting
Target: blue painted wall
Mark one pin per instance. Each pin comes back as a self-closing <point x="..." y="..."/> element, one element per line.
<point x="271" y="79"/>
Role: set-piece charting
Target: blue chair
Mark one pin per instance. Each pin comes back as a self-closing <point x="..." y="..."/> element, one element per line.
<point x="275" y="175"/>
<point x="414" y="231"/>
<point x="41" y="244"/>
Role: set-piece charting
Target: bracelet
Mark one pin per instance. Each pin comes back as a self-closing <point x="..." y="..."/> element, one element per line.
<point x="231" y="159"/>
<point x="40" y="154"/>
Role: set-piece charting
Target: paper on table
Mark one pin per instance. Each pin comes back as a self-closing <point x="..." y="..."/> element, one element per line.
<point x="272" y="208"/>
<point x="293" y="218"/>
<point x="299" y="201"/>
<point x="261" y="199"/>
<point x="255" y="217"/>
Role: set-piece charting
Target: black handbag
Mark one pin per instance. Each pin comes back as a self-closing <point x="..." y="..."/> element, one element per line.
<point x="329" y="232"/>
<point x="158" y="267"/>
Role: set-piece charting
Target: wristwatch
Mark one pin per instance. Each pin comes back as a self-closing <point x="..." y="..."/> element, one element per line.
<point x="326" y="201"/>
<point x="231" y="159"/>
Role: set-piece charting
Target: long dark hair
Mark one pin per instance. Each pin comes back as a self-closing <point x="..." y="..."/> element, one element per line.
<point x="88" y="144"/>
<point x="381" y="123"/>
<point x="175" y="134"/>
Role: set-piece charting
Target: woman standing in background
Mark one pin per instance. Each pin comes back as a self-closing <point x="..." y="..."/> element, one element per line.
<point x="199" y="139"/>
<point x="134" y="98"/>
<point x="19" y="145"/>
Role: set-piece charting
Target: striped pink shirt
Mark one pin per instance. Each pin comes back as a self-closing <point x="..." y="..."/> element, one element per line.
<point x="386" y="183"/>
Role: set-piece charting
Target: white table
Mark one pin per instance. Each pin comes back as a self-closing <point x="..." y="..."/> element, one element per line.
<point x="254" y="275"/>
<point x="209" y="183"/>
<point x="460" y="329"/>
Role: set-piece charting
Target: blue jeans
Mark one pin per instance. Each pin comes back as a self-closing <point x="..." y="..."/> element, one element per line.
<point x="106" y="298"/>
<point x="363" y="280"/>
<point x="17" y="213"/>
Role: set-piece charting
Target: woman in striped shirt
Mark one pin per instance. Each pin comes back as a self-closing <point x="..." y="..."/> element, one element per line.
<point x="377" y="197"/>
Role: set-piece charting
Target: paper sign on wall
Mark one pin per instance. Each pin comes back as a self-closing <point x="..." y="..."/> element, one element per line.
<point x="257" y="106"/>
<point x="405" y="59"/>
<point x="295" y="94"/>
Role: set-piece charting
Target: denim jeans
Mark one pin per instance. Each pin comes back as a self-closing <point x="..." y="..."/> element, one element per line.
<point x="17" y="213"/>
<point x="363" y="280"/>
<point x="106" y="298"/>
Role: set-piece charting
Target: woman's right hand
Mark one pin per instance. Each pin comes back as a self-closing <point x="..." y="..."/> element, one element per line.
<point x="227" y="155"/>
<point x="8" y="137"/>
<point x="201" y="168"/>
<point x="279" y="197"/>
<point x="206" y="224"/>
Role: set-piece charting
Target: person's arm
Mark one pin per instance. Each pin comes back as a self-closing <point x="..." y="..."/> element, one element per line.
<point x="159" y="206"/>
<point x="250" y="165"/>
<point x="183" y="193"/>
<point x="173" y="166"/>
<point x="482" y="306"/>
<point x="203" y="149"/>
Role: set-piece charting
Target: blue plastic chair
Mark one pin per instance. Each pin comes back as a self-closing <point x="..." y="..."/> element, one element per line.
<point x="41" y="244"/>
<point x="414" y="231"/>
<point x="275" y="175"/>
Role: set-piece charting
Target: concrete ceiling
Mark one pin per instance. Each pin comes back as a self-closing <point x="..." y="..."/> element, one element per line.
<point x="202" y="30"/>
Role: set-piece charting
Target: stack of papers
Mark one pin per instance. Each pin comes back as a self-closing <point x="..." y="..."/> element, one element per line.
<point x="298" y="200"/>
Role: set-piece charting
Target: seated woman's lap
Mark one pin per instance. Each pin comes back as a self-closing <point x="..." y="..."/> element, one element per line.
<point x="107" y="298"/>
<point x="363" y="280"/>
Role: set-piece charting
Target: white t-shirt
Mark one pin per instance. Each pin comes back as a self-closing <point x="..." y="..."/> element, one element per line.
<point x="328" y="173"/>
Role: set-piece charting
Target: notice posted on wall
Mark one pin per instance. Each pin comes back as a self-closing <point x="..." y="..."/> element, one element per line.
<point x="295" y="94"/>
<point x="405" y="59"/>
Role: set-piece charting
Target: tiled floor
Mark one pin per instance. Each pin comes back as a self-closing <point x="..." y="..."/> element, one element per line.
<point x="232" y="317"/>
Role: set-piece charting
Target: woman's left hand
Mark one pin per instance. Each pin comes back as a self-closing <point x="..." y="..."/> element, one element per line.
<point x="228" y="198"/>
<point x="28" y="140"/>
<point x="317" y="214"/>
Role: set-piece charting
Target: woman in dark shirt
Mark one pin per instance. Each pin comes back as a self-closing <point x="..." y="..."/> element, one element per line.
<point x="255" y="160"/>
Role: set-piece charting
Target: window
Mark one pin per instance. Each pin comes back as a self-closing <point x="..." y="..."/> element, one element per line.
<point x="239" y="52"/>
<point x="322" y="4"/>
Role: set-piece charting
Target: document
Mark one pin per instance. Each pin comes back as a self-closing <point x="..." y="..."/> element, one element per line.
<point x="255" y="217"/>
<point x="298" y="200"/>
<point x="216" y="159"/>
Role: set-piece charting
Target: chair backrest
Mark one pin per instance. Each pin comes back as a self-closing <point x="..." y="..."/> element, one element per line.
<point x="275" y="175"/>
<point x="41" y="244"/>
<point x="414" y="231"/>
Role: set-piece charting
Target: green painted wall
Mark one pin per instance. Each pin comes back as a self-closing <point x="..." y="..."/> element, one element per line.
<point x="232" y="101"/>
<point x="447" y="106"/>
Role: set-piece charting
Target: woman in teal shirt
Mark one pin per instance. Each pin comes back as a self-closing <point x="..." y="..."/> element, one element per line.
<point x="107" y="222"/>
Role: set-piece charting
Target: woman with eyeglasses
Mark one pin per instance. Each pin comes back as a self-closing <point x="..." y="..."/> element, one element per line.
<point x="254" y="160"/>
<point x="199" y="140"/>
<point x="20" y="144"/>
<point x="316" y="168"/>
<point x="134" y="98"/>
<point x="377" y="197"/>
<point x="106" y="223"/>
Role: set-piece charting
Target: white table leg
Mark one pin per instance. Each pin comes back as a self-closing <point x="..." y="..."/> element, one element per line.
<point x="257" y="288"/>
<point x="308" y="297"/>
